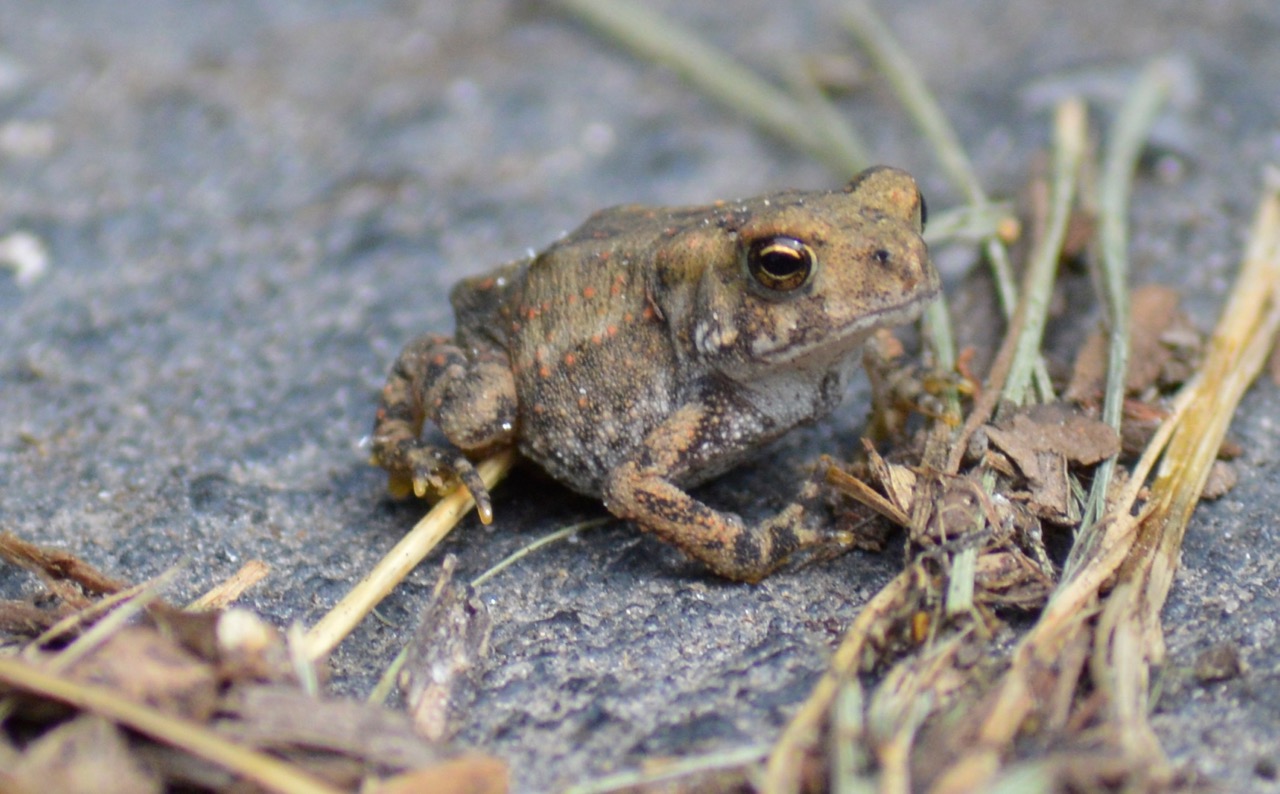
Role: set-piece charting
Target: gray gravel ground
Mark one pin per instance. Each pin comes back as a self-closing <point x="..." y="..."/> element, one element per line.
<point x="248" y="207"/>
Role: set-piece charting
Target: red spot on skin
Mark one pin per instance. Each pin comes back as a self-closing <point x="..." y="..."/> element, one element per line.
<point x="438" y="360"/>
<point x="615" y="289"/>
<point x="628" y="318"/>
<point x="612" y="330"/>
<point x="649" y="314"/>
<point x="582" y="402"/>
<point x="545" y="305"/>
<point x="573" y="299"/>
<point x="596" y="339"/>
<point x="588" y="292"/>
<point x="544" y="371"/>
<point x="538" y="408"/>
<point x="487" y="284"/>
<point x="605" y="256"/>
<point x="531" y="313"/>
<point x="570" y="359"/>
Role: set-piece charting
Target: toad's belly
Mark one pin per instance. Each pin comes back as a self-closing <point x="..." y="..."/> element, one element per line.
<point x="587" y="413"/>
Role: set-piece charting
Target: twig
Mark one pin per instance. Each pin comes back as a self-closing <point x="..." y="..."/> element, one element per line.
<point x="403" y="558"/>
<point x="227" y="592"/>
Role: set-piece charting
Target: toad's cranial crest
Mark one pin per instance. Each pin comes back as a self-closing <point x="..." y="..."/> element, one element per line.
<point x="654" y="348"/>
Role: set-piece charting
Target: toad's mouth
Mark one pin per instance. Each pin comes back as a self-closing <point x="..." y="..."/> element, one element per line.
<point x="826" y="344"/>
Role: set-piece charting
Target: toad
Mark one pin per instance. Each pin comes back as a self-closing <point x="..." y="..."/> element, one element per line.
<point x="655" y="348"/>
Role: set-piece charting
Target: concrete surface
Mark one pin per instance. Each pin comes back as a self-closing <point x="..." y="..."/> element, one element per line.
<point x="248" y="207"/>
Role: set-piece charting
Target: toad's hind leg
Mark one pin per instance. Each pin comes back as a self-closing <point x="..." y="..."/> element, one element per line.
<point x="471" y="398"/>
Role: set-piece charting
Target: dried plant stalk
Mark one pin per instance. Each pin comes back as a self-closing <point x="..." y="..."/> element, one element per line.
<point x="826" y="136"/>
<point x="226" y="593"/>
<point x="403" y="558"/>
<point x="783" y="772"/>
<point x="1141" y="551"/>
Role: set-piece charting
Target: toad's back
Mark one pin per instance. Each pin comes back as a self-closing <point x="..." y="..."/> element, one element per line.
<point x="591" y="351"/>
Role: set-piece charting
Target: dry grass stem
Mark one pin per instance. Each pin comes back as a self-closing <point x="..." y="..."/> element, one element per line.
<point x="1070" y="143"/>
<point x="524" y="551"/>
<point x="802" y="734"/>
<point x="226" y="593"/>
<point x="1071" y="132"/>
<point x="1137" y="113"/>
<point x="85" y="616"/>
<point x="826" y="136"/>
<point x="115" y="620"/>
<point x="673" y="771"/>
<point x="1141" y="552"/>
<point x="397" y="563"/>
<point x="897" y="66"/>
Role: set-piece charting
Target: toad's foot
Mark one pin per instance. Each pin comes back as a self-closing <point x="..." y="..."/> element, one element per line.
<point x="469" y="394"/>
<point x="801" y="533"/>
<point x="429" y="471"/>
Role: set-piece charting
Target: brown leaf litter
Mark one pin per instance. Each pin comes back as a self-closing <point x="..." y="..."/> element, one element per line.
<point x="205" y="701"/>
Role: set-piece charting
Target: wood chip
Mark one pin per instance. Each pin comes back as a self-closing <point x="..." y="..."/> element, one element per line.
<point x="277" y="717"/>
<point x="451" y="640"/>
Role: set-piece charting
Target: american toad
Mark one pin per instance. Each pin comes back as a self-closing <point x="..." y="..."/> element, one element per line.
<point x="654" y="348"/>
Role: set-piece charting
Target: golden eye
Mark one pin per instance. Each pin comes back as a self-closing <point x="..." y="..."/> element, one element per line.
<point x="781" y="264"/>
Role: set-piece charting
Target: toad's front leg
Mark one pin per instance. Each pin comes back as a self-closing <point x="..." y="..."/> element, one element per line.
<point x="642" y="490"/>
<point x="469" y="394"/>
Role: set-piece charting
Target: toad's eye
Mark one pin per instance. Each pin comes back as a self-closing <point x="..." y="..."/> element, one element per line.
<point x="781" y="264"/>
